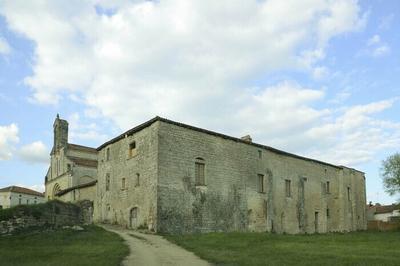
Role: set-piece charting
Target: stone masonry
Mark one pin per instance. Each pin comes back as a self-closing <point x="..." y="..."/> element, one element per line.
<point x="171" y="177"/>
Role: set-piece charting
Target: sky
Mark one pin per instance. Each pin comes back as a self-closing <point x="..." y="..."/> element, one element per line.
<point x="316" y="78"/>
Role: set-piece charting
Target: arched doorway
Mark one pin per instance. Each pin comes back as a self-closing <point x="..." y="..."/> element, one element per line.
<point x="133" y="217"/>
<point x="56" y="189"/>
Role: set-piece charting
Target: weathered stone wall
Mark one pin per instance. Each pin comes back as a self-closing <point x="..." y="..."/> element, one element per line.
<point x="52" y="214"/>
<point x="230" y="201"/>
<point x="115" y="205"/>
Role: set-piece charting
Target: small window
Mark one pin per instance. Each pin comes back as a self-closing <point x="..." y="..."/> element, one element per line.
<point x="68" y="167"/>
<point x="27" y="201"/>
<point x="107" y="154"/>
<point x="132" y="149"/>
<point x="137" y="181"/>
<point x="259" y="154"/>
<point x="287" y="188"/>
<point x="35" y="202"/>
<point x="328" y="187"/>
<point x="348" y="193"/>
<point x="261" y="187"/>
<point x="199" y="172"/>
<point x="328" y="215"/>
<point x="107" y="182"/>
<point x="123" y="183"/>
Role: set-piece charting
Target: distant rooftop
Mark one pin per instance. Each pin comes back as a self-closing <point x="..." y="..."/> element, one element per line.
<point x="21" y="190"/>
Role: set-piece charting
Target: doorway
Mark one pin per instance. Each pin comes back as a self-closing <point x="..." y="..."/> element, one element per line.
<point x="133" y="217"/>
<point x="316" y="222"/>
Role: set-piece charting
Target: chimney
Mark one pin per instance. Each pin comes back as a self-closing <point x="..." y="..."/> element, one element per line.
<point x="247" y="138"/>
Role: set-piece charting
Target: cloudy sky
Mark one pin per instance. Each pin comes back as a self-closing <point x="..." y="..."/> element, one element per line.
<point x="316" y="78"/>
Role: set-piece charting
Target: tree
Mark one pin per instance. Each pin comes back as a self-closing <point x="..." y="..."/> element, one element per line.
<point x="390" y="172"/>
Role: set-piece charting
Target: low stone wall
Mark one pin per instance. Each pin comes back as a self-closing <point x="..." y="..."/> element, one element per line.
<point x="48" y="215"/>
<point x="383" y="226"/>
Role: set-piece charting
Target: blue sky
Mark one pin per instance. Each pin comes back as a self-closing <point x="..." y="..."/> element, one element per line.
<point x="317" y="78"/>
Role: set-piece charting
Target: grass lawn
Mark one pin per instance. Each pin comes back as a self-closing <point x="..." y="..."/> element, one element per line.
<point x="357" y="248"/>
<point x="93" y="246"/>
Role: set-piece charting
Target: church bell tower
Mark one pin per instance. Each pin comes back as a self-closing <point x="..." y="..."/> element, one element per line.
<point x="60" y="127"/>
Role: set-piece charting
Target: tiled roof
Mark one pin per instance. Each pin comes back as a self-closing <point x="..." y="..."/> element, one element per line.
<point x="387" y="208"/>
<point x="65" y="191"/>
<point x="22" y="190"/>
<point x="81" y="148"/>
<point x="157" y="118"/>
<point x="83" y="162"/>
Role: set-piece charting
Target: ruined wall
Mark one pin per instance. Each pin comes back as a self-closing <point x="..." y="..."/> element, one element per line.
<point x="51" y="214"/>
<point x="115" y="205"/>
<point x="231" y="201"/>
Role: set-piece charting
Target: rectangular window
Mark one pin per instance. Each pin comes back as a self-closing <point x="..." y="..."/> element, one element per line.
<point x="348" y="193"/>
<point x="107" y="182"/>
<point x="132" y="149"/>
<point x="261" y="187"/>
<point x="123" y="183"/>
<point x="19" y="201"/>
<point x="137" y="182"/>
<point x="27" y="201"/>
<point x="259" y="154"/>
<point x="327" y="187"/>
<point x="287" y="188"/>
<point x="107" y="154"/>
<point x="328" y="215"/>
<point x="199" y="174"/>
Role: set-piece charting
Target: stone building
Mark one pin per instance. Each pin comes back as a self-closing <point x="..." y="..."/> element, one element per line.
<point x="14" y="195"/>
<point x="172" y="177"/>
<point x="72" y="174"/>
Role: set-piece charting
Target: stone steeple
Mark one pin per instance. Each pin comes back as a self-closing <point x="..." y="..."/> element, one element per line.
<point x="60" y="127"/>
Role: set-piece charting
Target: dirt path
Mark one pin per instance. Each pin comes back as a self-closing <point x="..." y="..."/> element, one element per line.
<point x="152" y="250"/>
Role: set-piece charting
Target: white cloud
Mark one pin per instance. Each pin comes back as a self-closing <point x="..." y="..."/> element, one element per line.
<point x="8" y="139"/>
<point x="35" y="152"/>
<point x="376" y="47"/>
<point x="157" y="51"/>
<point x="188" y="61"/>
<point x="4" y="46"/>
<point x="355" y="136"/>
<point x="320" y="72"/>
<point x="81" y="131"/>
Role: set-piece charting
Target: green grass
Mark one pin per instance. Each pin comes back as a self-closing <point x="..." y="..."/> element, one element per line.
<point x="358" y="248"/>
<point x="93" y="246"/>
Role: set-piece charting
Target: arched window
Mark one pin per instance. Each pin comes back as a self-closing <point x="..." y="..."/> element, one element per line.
<point x="200" y="172"/>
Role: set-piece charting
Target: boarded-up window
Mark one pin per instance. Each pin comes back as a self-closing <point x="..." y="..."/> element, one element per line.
<point x="132" y="149"/>
<point x="288" y="188"/>
<point x="261" y="184"/>
<point x="107" y="182"/>
<point x="199" y="173"/>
